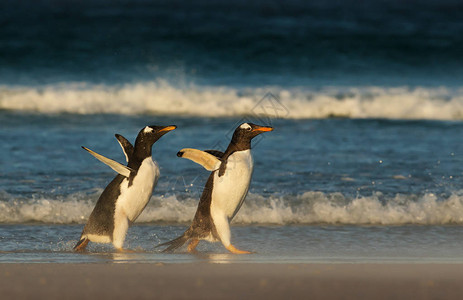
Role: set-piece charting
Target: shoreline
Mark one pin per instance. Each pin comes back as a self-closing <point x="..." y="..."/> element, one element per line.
<point x="231" y="281"/>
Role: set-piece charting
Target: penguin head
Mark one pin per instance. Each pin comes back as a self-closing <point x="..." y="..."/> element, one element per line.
<point x="149" y="135"/>
<point x="247" y="131"/>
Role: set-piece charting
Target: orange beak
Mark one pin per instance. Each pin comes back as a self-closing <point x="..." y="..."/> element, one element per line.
<point x="168" y="128"/>
<point x="263" y="129"/>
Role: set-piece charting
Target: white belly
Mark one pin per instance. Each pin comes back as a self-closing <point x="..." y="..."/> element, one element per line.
<point x="231" y="188"/>
<point x="134" y="198"/>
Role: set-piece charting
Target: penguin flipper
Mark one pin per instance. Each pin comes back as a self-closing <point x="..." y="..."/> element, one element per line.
<point x="174" y="244"/>
<point x="205" y="159"/>
<point x="125" y="145"/>
<point x="119" y="168"/>
<point x="216" y="153"/>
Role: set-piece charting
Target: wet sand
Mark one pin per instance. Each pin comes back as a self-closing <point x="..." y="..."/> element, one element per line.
<point x="231" y="281"/>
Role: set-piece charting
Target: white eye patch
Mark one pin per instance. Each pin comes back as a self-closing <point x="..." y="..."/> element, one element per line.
<point x="245" y="126"/>
<point x="148" y="129"/>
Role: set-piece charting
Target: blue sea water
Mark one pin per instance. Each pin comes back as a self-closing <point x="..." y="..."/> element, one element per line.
<point x="365" y="163"/>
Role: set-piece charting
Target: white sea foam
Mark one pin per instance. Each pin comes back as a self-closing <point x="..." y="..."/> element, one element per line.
<point x="317" y="207"/>
<point x="162" y="98"/>
<point x="308" y="208"/>
<point x="72" y="209"/>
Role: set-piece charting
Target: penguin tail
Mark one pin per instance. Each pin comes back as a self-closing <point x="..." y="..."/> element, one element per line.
<point x="80" y="246"/>
<point x="175" y="244"/>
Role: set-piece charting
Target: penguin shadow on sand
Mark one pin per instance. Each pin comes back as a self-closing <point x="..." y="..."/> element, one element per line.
<point x="224" y="192"/>
<point x="125" y="197"/>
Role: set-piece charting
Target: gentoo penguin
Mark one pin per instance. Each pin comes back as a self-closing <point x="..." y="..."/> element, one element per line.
<point x="224" y="192"/>
<point x="126" y="196"/>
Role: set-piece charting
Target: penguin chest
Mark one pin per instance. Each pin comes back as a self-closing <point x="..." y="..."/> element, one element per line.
<point x="230" y="189"/>
<point x="135" y="196"/>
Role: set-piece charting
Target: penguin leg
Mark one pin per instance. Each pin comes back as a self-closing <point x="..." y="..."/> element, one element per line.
<point x="222" y="226"/>
<point x="121" y="225"/>
<point x="81" y="245"/>
<point x="192" y="245"/>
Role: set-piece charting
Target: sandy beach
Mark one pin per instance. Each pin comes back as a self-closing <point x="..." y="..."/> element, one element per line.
<point x="232" y="281"/>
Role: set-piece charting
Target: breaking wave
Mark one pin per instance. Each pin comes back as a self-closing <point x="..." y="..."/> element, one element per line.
<point x="307" y="208"/>
<point x="160" y="97"/>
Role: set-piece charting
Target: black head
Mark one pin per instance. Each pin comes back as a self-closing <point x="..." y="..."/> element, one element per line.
<point x="245" y="133"/>
<point x="148" y="136"/>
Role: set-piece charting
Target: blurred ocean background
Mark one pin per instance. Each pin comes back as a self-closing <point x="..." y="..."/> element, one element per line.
<point x="365" y="163"/>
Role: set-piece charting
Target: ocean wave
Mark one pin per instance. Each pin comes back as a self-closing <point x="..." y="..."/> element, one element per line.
<point x="309" y="208"/>
<point x="161" y="98"/>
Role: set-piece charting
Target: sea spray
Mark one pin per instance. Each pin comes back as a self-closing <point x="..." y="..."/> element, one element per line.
<point x="433" y="103"/>
<point x="309" y="208"/>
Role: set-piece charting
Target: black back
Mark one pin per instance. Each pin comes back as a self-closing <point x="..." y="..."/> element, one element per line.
<point x="202" y="222"/>
<point x="101" y="220"/>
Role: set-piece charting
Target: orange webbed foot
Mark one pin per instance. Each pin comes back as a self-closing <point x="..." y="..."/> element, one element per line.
<point x="192" y="246"/>
<point x="233" y="250"/>
<point x="122" y="250"/>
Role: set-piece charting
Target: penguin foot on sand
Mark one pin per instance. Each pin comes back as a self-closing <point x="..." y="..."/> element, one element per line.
<point x="233" y="250"/>
<point x="122" y="250"/>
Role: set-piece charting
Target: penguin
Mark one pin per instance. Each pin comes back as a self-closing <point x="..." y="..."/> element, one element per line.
<point x="224" y="192"/>
<point x="125" y="197"/>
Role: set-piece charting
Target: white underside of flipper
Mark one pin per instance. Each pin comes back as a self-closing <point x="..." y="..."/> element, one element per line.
<point x="229" y="192"/>
<point x="207" y="160"/>
<point x="118" y="167"/>
<point x="134" y="198"/>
